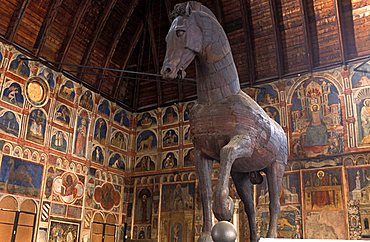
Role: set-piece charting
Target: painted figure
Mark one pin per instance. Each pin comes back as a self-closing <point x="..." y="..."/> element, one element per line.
<point x="67" y="91"/>
<point x="81" y="136"/>
<point x="170" y="138"/>
<point x="316" y="133"/>
<point x="13" y="95"/>
<point x="104" y="108"/>
<point x="86" y="101"/>
<point x="9" y="123"/>
<point x="58" y="141"/>
<point x="100" y="132"/>
<point x="121" y="117"/>
<point x="365" y="121"/>
<point x="118" y="140"/>
<point x="36" y="126"/>
<point x="97" y="155"/>
<point x="146" y="141"/>
<point x="170" y="116"/>
<point x="49" y="76"/>
<point x="20" y="66"/>
<point x="63" y="115"/>
<point x="170" y="161"/>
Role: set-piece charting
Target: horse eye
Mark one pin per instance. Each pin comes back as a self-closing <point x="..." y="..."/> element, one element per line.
<point x="180" y="33"/>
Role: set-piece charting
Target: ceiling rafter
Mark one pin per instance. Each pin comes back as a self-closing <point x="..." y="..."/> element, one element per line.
<point x="247" y="29"/>
<point x="16" y="19"/>
<point x="50" y="17"/>
<point x="72" y="31"/>
<point x="132" y="46"/>
<point x="277" y="37"/>
<point x="153" y="45"/>
<point x="307" y="35"/>
<point x="98" y="31"/>
<point x="219" y="12"/>
<point x="119" y="32"/>
<point x="341" y="30"/>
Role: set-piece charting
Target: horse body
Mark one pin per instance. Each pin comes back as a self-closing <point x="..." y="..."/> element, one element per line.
<point x="226" y="124"/>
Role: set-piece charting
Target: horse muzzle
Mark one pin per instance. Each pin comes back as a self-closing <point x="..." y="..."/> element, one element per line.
<point x="169" y="72"/>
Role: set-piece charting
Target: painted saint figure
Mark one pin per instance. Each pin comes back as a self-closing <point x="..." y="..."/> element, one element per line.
<point x="81" y="134"/>
<point x="316" y="133"/>
<point x="365" y="121"/>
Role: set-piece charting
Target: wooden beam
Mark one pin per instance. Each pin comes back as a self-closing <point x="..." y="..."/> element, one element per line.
<point x="98" y="31"/>
<point x="219" y="13"/>
<point x="341" y="30"/>
<point x="132" y="46"/>
<point x="247" y="29"/>
<point x="277" y="37"/>
<point x="153" y="45"/>
<point x="50" y="17"/>
<point x="119" y="32"/>
<point x="16" y="18"/>
<point x="307" y="35"/>
<point x="72" y="31"/>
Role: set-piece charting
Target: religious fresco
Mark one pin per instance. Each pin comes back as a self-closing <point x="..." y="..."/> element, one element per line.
<point x="146" y="141"/>
<point x="100" y="130"/>
<point x="189" y="157"/>
<point x="13" y="94"/>
<point x="69" y="187"/>
<point x="359" y="188"/>
<point x="37" y="91"/>
<point x="146" y="120"/>
<point x="122" y="118"/>
<point x="187" y="135"/>
<point x="9" y="122"/>
<point x="170" y="138"/>
<point x="117" y="161"/>
<point x="267" y="95"/>
<point x="104" y="108"/>
<point x="119" y="139"/>
<point x="177" y="211"/>
<point x="316" y="119"/>
<point x="98" y="154"/>
<point x="170" y="116"/>
<point x="361" y="79"/>
<point x="20" y="66"/>
<point x="62" y="115"/>
<point x="63" y="231"/>
<point x="170" y="160"/>
<point x="323" y="204"/>
<point x="36" y="126"/>
<point x="49" y="75"/>
<point x="20" y="177"/>
<point x="81" y="132"/>
<point x="273" y="113"/>
<point x="86" y="100"/>
<point x="67" y="91"/>
<point x="290" y="220"/>
<point x="143" y="214"/>
<point x="145" y="163"/>
<point x="59" y="140"/>
<point x="187" y="109"/>
<point x="107" y="196"/>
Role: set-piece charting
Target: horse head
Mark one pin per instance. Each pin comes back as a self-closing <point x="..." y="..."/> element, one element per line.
<point x="184" y="42"/>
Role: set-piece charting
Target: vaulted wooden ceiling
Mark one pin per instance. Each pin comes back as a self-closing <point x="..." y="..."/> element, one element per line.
<point x="270" y="39"/>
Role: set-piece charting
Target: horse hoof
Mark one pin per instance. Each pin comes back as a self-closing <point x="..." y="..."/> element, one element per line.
<point x="205" y="237"/>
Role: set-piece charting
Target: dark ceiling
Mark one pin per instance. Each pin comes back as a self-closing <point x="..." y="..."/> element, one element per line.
<point x="270" y="39"/>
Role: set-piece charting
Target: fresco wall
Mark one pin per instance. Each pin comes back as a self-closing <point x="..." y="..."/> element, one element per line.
<point x="63" y="147"/>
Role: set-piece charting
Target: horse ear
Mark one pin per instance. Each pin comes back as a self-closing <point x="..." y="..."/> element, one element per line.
<point x="188" y="9"/>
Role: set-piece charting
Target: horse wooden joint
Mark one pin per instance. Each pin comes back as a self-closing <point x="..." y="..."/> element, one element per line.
<point x="227" y="125"/>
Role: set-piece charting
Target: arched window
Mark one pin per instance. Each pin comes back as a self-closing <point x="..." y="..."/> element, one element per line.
<point x="103" y="231"/>
<point x="17" y="225"/>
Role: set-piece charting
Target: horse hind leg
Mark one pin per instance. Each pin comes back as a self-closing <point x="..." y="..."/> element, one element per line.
<point x="243" y="186"/>
<point x="274" y="173"/>
<point x="204" y="168"/>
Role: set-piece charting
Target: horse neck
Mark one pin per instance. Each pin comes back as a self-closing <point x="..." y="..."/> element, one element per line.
<point x="217" y="76"/>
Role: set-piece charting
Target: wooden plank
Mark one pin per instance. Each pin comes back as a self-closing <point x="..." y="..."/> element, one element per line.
<point x="72" y="32"/>
<point x="50" y="17"/>
<point x="307" y="35"/>
<point x="98" y="31"/>
<point x="277" y="37"/>
<point x="16" y="19"/>
<point x="247" y="27"/>
<point x="119" y="32"/>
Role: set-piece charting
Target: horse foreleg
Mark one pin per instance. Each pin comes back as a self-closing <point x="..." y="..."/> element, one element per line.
<point x="274" y="175"/>
<point x="243" y="187"/>
<point x="239" y="146"/>
<point x="204" y="168"/>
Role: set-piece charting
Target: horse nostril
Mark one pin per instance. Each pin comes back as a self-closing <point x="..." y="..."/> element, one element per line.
<point x="168" y="70"/>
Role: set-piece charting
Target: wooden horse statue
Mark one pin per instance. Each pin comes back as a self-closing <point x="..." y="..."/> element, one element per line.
<point x="226" y="124"/>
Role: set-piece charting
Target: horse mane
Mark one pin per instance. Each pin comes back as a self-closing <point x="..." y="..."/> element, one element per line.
<point x="180" y="9"/>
